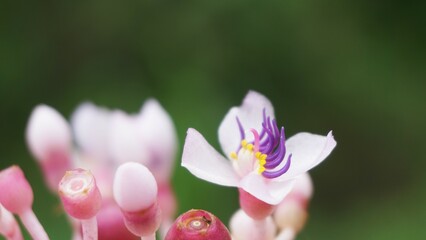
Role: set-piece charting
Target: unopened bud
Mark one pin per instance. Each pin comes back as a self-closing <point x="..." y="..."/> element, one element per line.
<point x="198" y="225"/>
<point x="79" y="194"/>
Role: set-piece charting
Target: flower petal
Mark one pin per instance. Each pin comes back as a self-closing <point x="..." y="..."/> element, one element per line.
<point x="269" y="191"/>
<point x="90" y="124"/>
<point x="250" y="114"/>
<point x="159" y="135"/>
<point x="125" y="139"/>
<point x="205" y="162"/>
<point x="308" y="150"/>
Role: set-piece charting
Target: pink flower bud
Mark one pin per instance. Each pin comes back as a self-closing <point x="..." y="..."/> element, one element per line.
<point x="17" y="197"/>
<point x="135" y="191"/>
<point x="255" y="208"/>
<point x="197" y="225"/>
<point x="49" y="139"/>
<point x="292" y="213"/>
<point x="16" y="193"/>
<point x="244" y="227"/>
<point x="79" y="194"/>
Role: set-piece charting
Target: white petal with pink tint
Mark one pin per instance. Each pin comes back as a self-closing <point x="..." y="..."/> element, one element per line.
<point x="205" y="162"/>
<point x="250" y="114"/>
<point x="47" y="131"/>
<point x="134" y="187"/>
<point x="269" y="191"/>
<point x="308" y="150"/>
<point x="125" y="140"/>
<point x="159" y="136"/>
<point x="90" y="125"/>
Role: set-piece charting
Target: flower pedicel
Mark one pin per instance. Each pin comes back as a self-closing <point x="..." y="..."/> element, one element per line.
<point x="9" y="227"/>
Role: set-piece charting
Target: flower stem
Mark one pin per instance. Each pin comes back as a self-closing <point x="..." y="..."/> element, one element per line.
<point x="33" y="226"/>
<point x="90" y="228"/>
<point x="151" y="237"/>
<point x="9" y="227"/>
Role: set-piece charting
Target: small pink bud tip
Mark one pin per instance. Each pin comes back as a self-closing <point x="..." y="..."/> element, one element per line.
<point x="79" y="194"/>
<point x="254" y="207"/>
<point x="135" y="191"/>
<point x="291" y="214"/>
<point x="16" y="193"/>
<point x="198" y="225"/>
<point x="135" y="188"/>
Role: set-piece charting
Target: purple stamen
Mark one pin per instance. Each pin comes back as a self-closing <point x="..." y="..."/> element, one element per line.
<point x="279" y="172"/>
<point x="276" y="131"/>
<point x="270" y="141"/>
<point x="270" y="146"/>
<point x="240" y="126"/>
<point x="279" y="147"/>
<point x="277" y="157"/>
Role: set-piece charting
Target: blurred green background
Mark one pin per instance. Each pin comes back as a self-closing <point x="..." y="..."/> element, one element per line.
<point x="356" y="67"/>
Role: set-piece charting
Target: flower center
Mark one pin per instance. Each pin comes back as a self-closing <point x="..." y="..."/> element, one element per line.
<point x="266" y="153"/>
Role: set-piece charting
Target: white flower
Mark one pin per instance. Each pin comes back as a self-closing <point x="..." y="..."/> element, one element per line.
<point x="260" y="159"/>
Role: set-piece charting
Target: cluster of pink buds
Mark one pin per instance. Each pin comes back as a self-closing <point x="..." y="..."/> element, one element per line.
<point x="111" y="171"/>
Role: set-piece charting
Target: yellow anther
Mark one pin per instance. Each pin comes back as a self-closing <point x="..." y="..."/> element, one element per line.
<point x="234" y="155"/>
<point x="249" y="147"/>
<point x="261" y="169"/>
<point x="257" y="154"/>
<point x="243" y="143"/>
<point x="263" y="157"/>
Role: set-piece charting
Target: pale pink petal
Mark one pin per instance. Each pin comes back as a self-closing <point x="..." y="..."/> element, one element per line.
<point x="90" y="124"/>
<point x="159" y="136"/>
<point x="308" y="150"/>
<point x="269" y="191"/>
<point x="250" y="114"/>
<point x="125" y="141"/>
<point x="47" y="132"/>
<point x="203" y="161"/>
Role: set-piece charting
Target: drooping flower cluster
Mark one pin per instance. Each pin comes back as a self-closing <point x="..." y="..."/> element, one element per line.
<point x="112" y="171"/>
